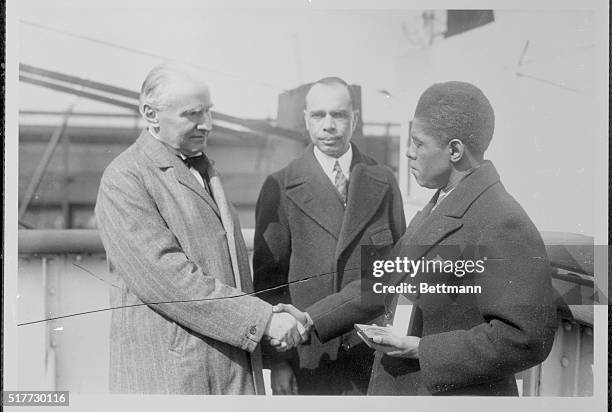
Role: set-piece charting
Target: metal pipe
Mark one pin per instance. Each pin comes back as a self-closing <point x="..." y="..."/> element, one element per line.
<point x="65" y="183"/>
<point x="59" y="241"/>
<point x="93" y="96"/>
<point x="107" y="88"/>
<point x="52" y="241"/>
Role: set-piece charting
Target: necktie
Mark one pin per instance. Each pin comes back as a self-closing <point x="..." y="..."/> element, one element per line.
<point x="199" y="163"/>
<point x="340" y="181"/>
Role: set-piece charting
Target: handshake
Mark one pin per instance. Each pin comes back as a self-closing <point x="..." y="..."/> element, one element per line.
<point x="288" y="327"/>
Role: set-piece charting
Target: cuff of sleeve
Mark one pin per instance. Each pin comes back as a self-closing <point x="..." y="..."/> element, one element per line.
<point x="257" y="326"/>
<point x="322" y="324"/>
<point x="428" y="359"/>
<point x="309" y="323"/>
<point x="309" y="326"/>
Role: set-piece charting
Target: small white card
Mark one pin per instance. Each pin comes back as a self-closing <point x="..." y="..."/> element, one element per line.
<point x="403" y="317"/>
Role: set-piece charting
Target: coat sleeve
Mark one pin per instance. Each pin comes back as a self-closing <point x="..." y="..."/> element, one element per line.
<point x="271" y="253"/>
<point x="337" y="313"/>
<point x="519" y="318"/>
<point x="272" y="245"/>
<point x="143" y="250"/>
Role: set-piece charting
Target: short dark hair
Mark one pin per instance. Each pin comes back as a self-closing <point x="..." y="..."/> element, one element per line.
<point x="331" y="81"/>
<point x="457" y="110"/>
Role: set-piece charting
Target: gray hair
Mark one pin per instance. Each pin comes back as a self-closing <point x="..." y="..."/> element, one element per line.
<point x="156" y="86"/>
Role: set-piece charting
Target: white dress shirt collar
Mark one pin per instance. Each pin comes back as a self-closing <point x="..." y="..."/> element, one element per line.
<point x="327" y="162"/>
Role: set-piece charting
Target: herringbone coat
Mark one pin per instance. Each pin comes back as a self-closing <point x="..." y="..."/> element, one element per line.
<point x="176" y="328"/>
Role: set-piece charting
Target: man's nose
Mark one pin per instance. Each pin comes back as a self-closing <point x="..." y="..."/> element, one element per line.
<point x="205" y="122"/>
<point x="411" y="153"/>
<point x="329" y="124"/>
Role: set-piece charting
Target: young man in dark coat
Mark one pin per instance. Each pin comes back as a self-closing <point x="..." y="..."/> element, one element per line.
<point x="312" y="218"/>
<point x="465" y="341"/>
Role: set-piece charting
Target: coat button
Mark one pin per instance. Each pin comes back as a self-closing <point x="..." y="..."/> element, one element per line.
<point x="253" y="330"/>
<point x="388" y="315"/>
<point x="345" y="347"/>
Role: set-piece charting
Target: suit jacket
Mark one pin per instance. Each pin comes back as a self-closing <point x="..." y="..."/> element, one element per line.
<point x="180" y="327"/>
<point x="473" y="344"/>
<point x="304" y="232"/>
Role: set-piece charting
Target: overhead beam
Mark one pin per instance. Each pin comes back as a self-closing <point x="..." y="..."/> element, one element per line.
<point x="130" y="94"/>
<point x="77" y="92"/>
<point x="27" y="71"/>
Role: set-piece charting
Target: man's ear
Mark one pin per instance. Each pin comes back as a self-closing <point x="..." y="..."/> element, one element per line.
<point x="355" y="114"/>
<point x="150" y="115"/>
<point x="306" y="120"/>
<point x="457" y="150"/>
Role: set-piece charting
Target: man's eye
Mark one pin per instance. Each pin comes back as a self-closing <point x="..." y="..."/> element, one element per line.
<point x="340" y="115"/>
<point x="317" y="115"/>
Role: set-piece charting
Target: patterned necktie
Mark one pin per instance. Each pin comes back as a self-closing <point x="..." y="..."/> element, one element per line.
<point x="340" y="182"/>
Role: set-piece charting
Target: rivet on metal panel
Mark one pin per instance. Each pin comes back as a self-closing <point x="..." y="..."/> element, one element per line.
<point x="78" y="258"/>
<point x="565" y="362"/>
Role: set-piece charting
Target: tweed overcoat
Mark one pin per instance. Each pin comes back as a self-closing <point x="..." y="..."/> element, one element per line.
<point x="473" y="344"/>
<point x="304" y="232"/>
<point x="177" y="330"/>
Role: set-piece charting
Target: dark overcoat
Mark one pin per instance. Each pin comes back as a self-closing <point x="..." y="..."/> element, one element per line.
<point x="473" y="344"/>
<point x="304" y="237"/>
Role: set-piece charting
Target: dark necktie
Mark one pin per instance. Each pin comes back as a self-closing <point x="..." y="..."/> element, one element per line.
<point x="199" y="163"/>
<point x="340" y="181"/>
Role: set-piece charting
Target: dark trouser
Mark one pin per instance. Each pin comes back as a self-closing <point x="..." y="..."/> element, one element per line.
<point x="348" y="375"/>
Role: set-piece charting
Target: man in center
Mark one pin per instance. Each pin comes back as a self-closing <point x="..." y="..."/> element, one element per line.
<point x="311" y="219"/>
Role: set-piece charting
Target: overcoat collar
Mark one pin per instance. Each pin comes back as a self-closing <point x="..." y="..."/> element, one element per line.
<point x="428" y="228"/>
<point x="163" y="158"/>
<point x="312" y="191"/>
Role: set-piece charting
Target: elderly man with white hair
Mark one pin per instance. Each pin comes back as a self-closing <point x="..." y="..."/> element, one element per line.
<point x="184" y="323"/>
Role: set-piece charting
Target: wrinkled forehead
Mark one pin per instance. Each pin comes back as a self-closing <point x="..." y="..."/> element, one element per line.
<point x="328" y="97"/>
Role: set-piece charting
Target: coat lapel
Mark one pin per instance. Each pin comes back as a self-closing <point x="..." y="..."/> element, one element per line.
<point x="165" y="159"/>
<point x="366" y="191"/>
<point x="313" y="193"/>
<point x="429" y="228"/>
<point x="427" y="235"/>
